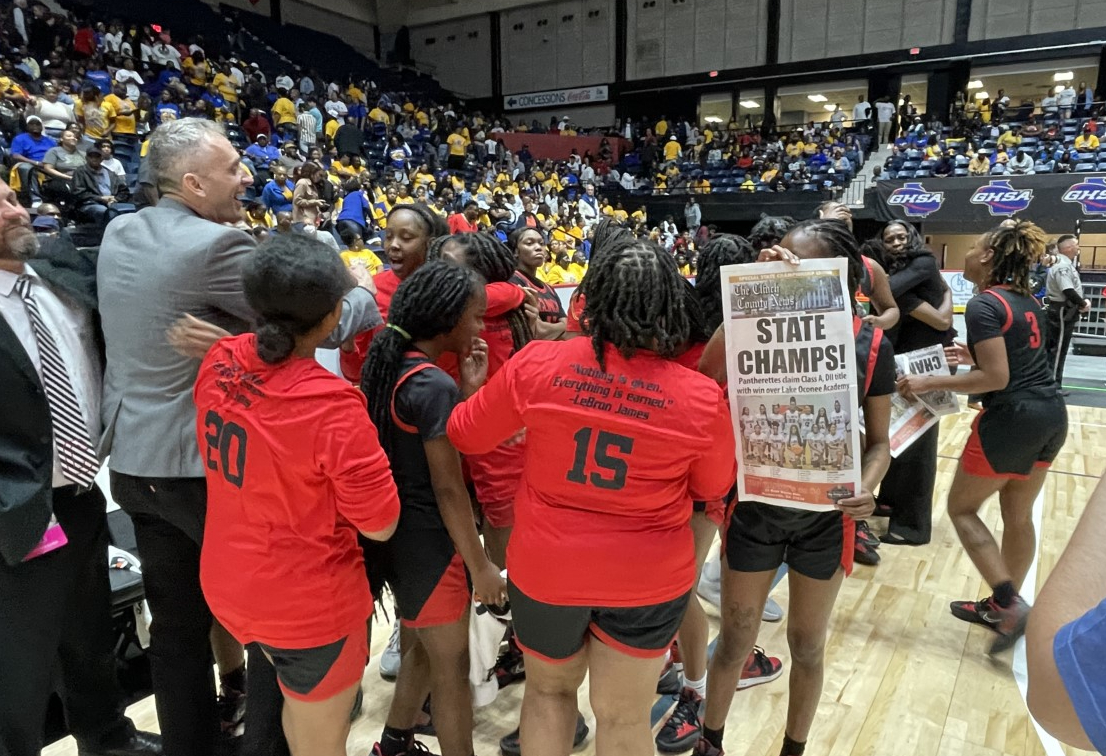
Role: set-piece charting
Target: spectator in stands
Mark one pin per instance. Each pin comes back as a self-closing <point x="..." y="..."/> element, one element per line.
<point x="95" y="116"/>
<point x="278" y="192"/>
<point x="885" y="113"/>
<point x="55" y="115"/>
<point x="334" y="106"/>
<point x="28" y="150"/>
<point x="262" y="153"/>
<point x="1086" y="142"/>
<point x="1066" y="101"/>
<point x="284" y="114"/>
<point x="308" y="207"/>
<point x="465" y="222"/>
<point x="256" y="124"/>
<point x="458" y="148"/>
<point x="110" y="162"/>
<point x="130" y="79"/>
<point x="307" y="127"/>
<point x="1021" y="164"/>
<point x="1050" y="105"/>
<point x="59" y="164"/>
<point x="1031" y="128"/>
<point x="290" y="156"/>
<point x="862" y="113"/>
<point x="980" y="164"/>
<point x="98" y="194"/>
<point x="355" y="211"/>
<point x="1010" y="137"/>
<point x="693" y="214"/>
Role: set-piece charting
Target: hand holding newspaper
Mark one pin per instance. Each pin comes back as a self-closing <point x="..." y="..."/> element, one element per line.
<point x="909" y="420"/>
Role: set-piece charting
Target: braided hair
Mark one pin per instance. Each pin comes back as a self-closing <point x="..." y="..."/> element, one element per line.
<point x="722" y="249"/>
<point x="490" y="258"/>
<point x="292" y="282"/>
<point x="607" y="232"/>
<point x="1016" y="250"/>
<point x="837" y="241"/>
<point x="429" y="303"/>
<point x="635" y="299"/>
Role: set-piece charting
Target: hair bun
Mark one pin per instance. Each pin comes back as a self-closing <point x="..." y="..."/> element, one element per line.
<point x="275" y="342"/>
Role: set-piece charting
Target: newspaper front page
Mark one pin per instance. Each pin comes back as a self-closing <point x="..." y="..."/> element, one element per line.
<point x="791" y="361"/>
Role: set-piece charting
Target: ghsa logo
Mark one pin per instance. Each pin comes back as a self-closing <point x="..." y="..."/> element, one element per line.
<point x="915" y="200"/>
<point x="1091" y="194"/>
<point x="1002" y="199"/>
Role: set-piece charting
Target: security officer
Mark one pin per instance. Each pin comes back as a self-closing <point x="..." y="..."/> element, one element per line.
<point x="1064" y="301"/>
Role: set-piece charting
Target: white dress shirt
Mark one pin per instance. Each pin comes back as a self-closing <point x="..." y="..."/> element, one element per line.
<point x="72" y="329"/>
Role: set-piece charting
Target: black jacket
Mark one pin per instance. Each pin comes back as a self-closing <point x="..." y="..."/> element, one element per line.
<point x="26" y="432"/>
<point x="85" y="188"/>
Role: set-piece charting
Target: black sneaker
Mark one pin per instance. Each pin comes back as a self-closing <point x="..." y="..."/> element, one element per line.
<point x="684" y="726"/>
<point x="1011" y="625"/>
<point x="231" y="705"/>
<point x="510" y="667"/>
<point x="983" y="612"/>
<point x="509" y="743"/>
<point x="670" y="682"/>
<point x="864" y="533"/>
<point x="865" y="553"/>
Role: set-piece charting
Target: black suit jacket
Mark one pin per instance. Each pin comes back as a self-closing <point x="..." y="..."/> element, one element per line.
<point x="26" y="432"/>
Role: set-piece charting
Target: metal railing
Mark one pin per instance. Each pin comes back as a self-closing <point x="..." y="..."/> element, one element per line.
<point x="1091" y="330"/>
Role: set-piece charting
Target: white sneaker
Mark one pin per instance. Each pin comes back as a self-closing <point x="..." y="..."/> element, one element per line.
<point x="773" y="612"/>
<point x="390" y="659"/>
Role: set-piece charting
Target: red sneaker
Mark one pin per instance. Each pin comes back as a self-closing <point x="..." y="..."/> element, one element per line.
<point x="760" y="668"/>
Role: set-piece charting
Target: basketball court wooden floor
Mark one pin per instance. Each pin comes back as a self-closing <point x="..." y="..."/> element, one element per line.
<point x="902" y="675"/>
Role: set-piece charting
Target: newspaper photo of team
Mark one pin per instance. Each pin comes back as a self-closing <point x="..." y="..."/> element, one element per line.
<point x="797" y="436"/>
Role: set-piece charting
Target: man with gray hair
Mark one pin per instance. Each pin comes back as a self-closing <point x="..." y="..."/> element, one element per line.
<point x="180" y="257"/>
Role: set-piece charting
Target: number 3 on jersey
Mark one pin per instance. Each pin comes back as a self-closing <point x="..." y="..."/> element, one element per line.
<point x="610" y="470"/>
<point x="222" y="439"/>
<point x="1034" y="330"/>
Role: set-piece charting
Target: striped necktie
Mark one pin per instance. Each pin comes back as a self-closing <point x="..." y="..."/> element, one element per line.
<point x="75" y="452"/>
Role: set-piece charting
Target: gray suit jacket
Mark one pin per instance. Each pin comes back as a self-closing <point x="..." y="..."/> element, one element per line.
<point x="154" y="266"/>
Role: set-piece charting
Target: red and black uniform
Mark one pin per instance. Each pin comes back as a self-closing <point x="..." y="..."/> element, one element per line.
<point x="575" y="315"/>
<point x="1023" y="425"/>
<point x="613" y="460"/>
<point x="761" y="537"/>
<point x="351" y="362"/>
<point x="294" y="471"/>
<point x="420" y="562"/>
<point x="495" y="475"/>
<point x="550" y="308"/>
<point x="715" y="509"/>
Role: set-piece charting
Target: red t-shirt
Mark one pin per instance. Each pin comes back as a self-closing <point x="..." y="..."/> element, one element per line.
<point x="502" y="298"/>
<point x="294" y="470"/>
<point x="613" y="461"/>
<point x="459" y="224"/>
<point x="575" y="313"/>
<point x="351" y="362"/>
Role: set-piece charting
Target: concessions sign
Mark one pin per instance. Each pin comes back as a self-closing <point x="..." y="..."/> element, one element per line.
<point x="976" y="204"/>
<point x="557" y="97"/>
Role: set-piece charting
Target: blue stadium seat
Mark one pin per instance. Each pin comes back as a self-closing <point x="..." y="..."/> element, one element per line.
<point x="910" y="165"/>
<point x="1085" y="168"/>
<point x="960" y="172"/>
<point x="922" y="174"/>
<point x="998" y="169"/>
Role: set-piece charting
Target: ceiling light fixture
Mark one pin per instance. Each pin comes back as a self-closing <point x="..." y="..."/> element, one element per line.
<point x="816" y="98"/>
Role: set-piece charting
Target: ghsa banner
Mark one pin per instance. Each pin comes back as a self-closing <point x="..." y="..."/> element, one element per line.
<point x="975" y="204"/>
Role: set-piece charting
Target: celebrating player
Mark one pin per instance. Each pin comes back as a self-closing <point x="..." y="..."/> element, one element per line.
<point x="816" y="546"/>
<point x="437" y="309"/>
<point x="293" y="467"/>
<point x="620" y="439"/>
<point x="1012" y="373"/>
